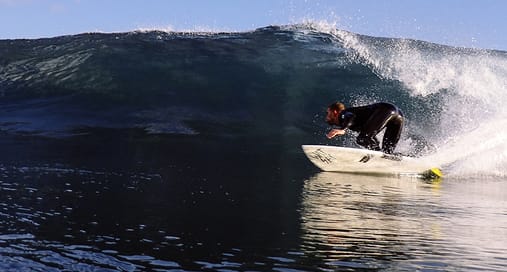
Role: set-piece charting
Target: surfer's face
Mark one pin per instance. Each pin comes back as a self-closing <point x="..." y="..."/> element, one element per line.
<point x="332" y="117"/>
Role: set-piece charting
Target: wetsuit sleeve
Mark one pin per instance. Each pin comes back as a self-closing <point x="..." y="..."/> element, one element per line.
<point x="346" y="119"/>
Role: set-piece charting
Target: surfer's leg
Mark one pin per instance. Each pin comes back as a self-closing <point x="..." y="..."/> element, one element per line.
<point x="368" y="142"/>
<point x="392" y="134"/>
<point x="378" y="120"/>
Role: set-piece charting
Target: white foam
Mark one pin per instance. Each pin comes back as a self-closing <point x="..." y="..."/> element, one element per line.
<point x="471" y="139"/>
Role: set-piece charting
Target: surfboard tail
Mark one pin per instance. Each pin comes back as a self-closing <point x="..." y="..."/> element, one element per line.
<point x="433" y="173"/>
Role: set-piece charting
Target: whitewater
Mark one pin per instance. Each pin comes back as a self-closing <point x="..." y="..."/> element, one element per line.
<point x="472" y="84"/>
<point x="473" y="104"/>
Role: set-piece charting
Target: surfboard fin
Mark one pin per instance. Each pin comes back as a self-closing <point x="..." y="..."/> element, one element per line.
<point x="433" y="173"/>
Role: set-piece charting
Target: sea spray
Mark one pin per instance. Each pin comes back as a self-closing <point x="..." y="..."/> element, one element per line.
<point x="471" y="84"/>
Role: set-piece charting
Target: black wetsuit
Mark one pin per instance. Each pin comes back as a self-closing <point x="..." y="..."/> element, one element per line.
<point x="370" y="120"/>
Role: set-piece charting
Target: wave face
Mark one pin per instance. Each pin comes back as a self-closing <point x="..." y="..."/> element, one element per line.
<point x="271" y="83"/>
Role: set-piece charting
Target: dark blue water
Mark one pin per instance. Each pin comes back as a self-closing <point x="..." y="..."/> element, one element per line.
<point x="148" y="204"/>
<point x="154" y="151"/>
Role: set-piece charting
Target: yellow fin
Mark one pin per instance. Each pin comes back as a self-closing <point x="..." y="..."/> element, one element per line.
<point x="437" y="172"/>
<point x="432" y="173"/>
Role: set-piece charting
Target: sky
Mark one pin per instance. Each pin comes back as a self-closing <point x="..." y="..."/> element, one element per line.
<point x="467" y="23"/>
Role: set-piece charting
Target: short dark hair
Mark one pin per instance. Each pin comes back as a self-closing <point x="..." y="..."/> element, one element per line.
<point x="338" y="106"/>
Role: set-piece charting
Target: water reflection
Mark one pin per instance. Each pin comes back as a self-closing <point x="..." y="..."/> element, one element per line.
<point x="360" y="216"/>
<point x="362" y="222"/>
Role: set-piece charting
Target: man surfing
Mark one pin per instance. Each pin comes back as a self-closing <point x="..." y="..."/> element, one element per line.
<point x="368" y="120"/>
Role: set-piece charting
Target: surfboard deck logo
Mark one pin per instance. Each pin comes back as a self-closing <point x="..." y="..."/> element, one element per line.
<point x="324" y="157"/>
<point x="365" y="159"/>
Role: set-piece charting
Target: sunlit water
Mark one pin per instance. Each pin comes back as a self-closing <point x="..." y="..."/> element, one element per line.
<point x="381" y="223"/>
<point x="154" y="205"/>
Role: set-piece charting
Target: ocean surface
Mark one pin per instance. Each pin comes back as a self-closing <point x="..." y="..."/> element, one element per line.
<point x="172" y="151"/>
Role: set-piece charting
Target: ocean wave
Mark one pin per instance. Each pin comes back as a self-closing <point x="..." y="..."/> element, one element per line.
<point x="270" y="81"/>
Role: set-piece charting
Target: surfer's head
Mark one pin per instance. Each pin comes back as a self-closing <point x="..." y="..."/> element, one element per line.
<point x="333" y="111"/>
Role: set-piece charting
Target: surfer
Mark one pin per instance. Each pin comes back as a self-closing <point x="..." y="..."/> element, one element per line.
<point x="368" y="120"/>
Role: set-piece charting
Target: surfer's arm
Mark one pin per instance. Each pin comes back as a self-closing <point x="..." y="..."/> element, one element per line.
<point x="335" y="132"/>
<point x="346" y="120"/>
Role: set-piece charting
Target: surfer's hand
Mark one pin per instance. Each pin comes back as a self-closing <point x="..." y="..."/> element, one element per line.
<point x="335" y="132"/>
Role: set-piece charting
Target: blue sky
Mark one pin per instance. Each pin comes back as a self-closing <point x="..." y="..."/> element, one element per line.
<point x="472" y="23"/>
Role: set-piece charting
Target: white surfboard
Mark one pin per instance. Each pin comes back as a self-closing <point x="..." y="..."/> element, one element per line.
<point x="363" y="161"/>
